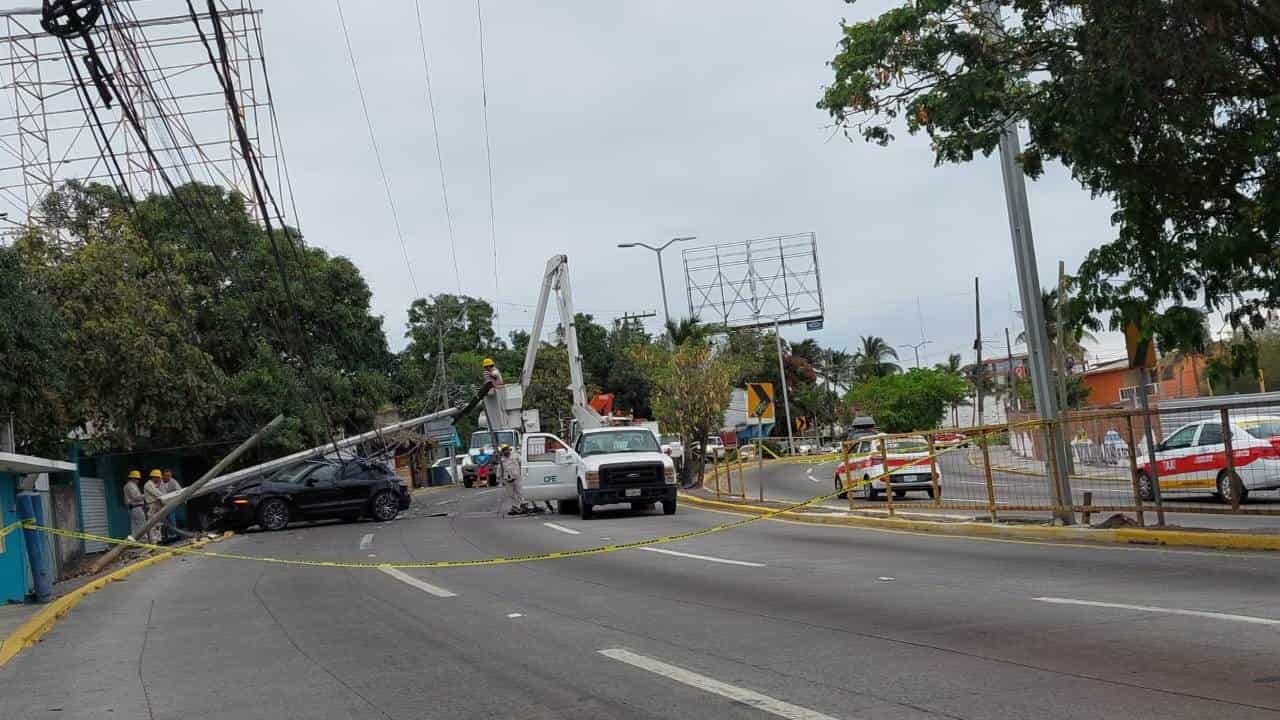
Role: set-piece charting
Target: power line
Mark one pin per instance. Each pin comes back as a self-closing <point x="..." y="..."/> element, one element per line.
<point x="435" y="132"/>
<point x="377" y="154"/>
<point x="488" y="157"/>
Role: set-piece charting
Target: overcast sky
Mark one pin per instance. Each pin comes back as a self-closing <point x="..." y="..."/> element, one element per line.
<point x="636" y="122"/>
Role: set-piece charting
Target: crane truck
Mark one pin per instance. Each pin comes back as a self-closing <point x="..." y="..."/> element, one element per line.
<point x="603" y="464"/>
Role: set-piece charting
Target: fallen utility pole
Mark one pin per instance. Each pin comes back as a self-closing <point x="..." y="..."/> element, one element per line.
<point x="321" y="450"/>
<point x="188" y="491"/>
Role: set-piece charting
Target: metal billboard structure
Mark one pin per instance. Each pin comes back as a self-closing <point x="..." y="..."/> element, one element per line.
<point x="162" y="71"/>
<point x="755" y="283"/>
<point x="770" y="281"/>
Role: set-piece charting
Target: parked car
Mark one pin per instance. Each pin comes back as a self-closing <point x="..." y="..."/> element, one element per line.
<point x="673" y="448"/>
<point x="714" y="448"/>
<point x="950" y="437"/>
<point x="866" y="468"/>
<point x="454" y="467"/>
<point x="1193" y="459"/>
<point x="314" y="490"/>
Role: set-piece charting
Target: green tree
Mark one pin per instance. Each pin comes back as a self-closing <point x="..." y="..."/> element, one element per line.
<point x="1167" y="108"/>
<point x="549" y="388"/>
<point x="915" y="400"/>
<point x="691" y="386"/>
<point x="33" y="375"/>
<point x="180" y="327"/>
<point x="1079" y="326"/>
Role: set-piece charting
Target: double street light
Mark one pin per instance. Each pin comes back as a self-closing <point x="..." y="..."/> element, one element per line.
<point x="662" y="279"/>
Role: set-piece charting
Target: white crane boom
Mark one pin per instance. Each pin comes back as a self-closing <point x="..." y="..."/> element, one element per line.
<point x="556" y="277"/>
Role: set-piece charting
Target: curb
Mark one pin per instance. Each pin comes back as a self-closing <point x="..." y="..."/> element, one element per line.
<point x="30" y="632"/>
<point x="1119" y="536"/>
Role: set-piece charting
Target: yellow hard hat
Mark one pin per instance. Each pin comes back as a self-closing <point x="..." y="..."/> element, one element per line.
<point x="135" y="475"/>
<point x="155" y="473"/>
<point x="504" y="446"/>
<point x="488" y="362"/>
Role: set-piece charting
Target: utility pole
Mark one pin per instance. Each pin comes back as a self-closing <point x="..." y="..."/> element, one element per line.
<point x="977" y="345"/>
<point x="1060" y="336"/>
<point x="1024" y="253"/>
<point x="633" y="317"/>
<point x="1013" y="388"/>
<point x="916" y="347"/>
<point x="782" y="377"/>
<point x="444" y="400"/>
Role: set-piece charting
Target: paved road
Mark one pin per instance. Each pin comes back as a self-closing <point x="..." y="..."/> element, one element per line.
<point x="763" y="621"/>
<point x="965" y="482"/>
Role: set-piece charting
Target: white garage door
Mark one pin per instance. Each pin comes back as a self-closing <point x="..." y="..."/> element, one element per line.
<point x="93" y="508"/>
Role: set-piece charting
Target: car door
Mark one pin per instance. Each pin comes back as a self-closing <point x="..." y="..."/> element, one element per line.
<point x="320" y="493"/>
<point x="356" y="486"/>
<point x="1175" y="458"/>
<point x="1209" y="458"/>
<point x="550" y="467"/>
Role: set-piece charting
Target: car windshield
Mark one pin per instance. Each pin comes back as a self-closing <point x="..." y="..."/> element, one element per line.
<point x="1262" y="429"/>
<point x="906" y="445"/>
<point x="624" y="441"/>
<point x="483" y="438"/>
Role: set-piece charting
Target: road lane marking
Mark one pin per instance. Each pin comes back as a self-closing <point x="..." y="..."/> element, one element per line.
<point x="446" y="502"/>
<point x="486" y="492"/>
<point x="708" y="558"/>
<point x="561" y="528"/>
<point x="747" y="697"/>
<point x="422" y="585"/>
<point x="1252" y="619"/>
<point x="513" y="616"/>
<point x="366" y="541"/>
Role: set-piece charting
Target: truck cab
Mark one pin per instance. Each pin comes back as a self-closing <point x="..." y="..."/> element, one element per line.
<point x="623" y="465"/>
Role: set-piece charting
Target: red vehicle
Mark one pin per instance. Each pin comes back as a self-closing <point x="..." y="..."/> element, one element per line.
<point x="950" y="437"/>
<point x="1193" y="459"/>
<point x="907" y="462"/>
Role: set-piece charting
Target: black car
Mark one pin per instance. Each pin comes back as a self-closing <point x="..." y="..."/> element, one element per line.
<point x="314" y="490"/>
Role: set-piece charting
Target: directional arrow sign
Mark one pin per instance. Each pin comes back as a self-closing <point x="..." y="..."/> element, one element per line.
<point x="760" y="401"/>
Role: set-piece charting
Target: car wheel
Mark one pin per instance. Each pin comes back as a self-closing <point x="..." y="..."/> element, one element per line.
<point x="868" y="490"/>
<point x="567" y="507"/>
<point x="844" y="494"/>
<point x="899" y="494"/>
<point x="584" y="509"/>
<point x="493" y="481"/>
<point x="468" y="482"/>
<point x="929" y="492"/>
<point x="1145" y="488"/>
<point x="669" y="507"/>
<point x="384" y="506"/>
<point x="273" y="514"/>
<point x="1224" y="488"/>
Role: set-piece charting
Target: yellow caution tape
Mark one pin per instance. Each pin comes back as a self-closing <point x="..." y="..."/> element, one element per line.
<point x="433" y="564"/>
<point x="11" y="527"/>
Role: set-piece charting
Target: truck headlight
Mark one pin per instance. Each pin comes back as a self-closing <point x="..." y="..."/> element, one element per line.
<point x="592" y="480"/>
<point x="669" y="472"/>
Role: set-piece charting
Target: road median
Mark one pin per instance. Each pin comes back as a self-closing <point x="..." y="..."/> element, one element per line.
<point x="1218" y="540"/>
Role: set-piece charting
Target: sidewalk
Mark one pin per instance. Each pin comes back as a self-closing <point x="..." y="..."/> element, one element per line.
<point x="1005" y="460"/>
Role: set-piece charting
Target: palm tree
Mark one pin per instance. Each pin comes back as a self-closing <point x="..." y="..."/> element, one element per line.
<point x="1079" y="327"/>
<point x="953" y="366"/>
<point x="839" y="368"/>
<point x="687" y="329"/>
<point x="872" y="360"/>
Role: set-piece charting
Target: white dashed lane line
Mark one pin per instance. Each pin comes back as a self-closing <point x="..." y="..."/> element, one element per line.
<point x="749" y="698"/>
<point x="422" y="585"/>
<point x="561" y="528"/>
<point x="708" y="558"/>
<point x="366" y="541"/>
<point x="1251" y="619"/>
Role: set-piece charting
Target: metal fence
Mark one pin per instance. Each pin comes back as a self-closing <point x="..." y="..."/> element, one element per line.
<point x="1210" y="458"/>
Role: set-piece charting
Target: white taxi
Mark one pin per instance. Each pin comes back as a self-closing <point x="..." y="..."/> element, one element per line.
<point x="907" y="460"/>
<point x="1193" y="459"/>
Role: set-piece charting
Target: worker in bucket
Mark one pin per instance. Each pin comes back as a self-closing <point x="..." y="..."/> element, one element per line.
<point x="491" y="373"/>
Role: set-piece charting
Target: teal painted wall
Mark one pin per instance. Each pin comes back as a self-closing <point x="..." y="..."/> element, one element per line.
<point x="13" y="561"/>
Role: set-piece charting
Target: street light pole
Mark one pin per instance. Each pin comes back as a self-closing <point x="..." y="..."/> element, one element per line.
<point x="917" y="347"/>
<point x="662" y="278"/>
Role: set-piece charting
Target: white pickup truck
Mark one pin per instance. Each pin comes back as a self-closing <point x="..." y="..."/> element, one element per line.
<point x="609" y="465"/>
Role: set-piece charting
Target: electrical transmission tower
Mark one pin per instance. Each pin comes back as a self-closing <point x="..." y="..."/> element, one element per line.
<point x="161" y="69"/>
